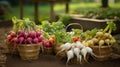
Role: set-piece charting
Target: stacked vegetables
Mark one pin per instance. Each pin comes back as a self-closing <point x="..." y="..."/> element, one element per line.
<point x="76" y="49"/>
<point x="24" y="32"/>
<point x="102" y="37"/>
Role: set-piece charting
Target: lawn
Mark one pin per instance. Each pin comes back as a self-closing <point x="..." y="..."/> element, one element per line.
<point x="59" y="8"/>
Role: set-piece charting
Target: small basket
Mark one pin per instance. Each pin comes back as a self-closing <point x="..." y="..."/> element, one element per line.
<point x="103" y="53"/>
<point x="48" y="50"/>
<point x="73" y="26"/>
<point x="29" y="51"/>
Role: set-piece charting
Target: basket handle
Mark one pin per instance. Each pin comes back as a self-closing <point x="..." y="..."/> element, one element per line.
<point x="71" y="26"/>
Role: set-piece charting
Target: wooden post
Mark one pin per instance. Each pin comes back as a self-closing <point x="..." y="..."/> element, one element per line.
<point x="67" y="7"/>
<point x="21" y="8"/>
<point x="52" y="16"/>
<point x="36" y="10"/>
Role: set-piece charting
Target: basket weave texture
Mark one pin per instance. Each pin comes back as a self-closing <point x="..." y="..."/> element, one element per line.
<point x="103" y="53"/>
<point x="29" y="51"/>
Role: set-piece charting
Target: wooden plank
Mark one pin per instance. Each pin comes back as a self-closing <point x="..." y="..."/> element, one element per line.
<point x="21" y="8"/>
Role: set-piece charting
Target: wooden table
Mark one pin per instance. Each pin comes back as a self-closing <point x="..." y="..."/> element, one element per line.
<point x="51" y="2"/>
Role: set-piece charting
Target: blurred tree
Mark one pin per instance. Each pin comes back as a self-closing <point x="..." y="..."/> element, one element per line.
<point x="14" y="2"/>
<point x="105" y="3"/>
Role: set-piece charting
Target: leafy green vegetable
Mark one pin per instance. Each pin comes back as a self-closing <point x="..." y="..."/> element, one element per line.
<point x="111" y="26"/>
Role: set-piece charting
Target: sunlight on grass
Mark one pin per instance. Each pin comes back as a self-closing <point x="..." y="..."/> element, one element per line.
<point x="44" y="10"/>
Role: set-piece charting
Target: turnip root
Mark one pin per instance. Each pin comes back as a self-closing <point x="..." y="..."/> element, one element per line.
<point x="90" y="51"/>
<point x="79" y="45"/>
<point x="101" y="42"/>
<point x="84" y="53"/>
<point x="70" y="55"/>
<point x="80" y="59"/>
<point x="76" y="52"/>
<point x="65" y="47"/>
<point x="99" y="34"/>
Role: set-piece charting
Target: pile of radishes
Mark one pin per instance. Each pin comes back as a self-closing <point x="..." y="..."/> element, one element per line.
<point x="76" y="49"/>
<point x="22" y="37"/>
<point x="48" y="42"/>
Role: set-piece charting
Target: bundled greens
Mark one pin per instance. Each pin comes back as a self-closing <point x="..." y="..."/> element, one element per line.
<point x="24" y="24"/>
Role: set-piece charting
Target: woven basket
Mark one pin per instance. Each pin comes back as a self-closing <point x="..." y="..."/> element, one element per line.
<point x="103" y="53"/>
<point x="48" y="50"/>
<point x="11" y="49"/>
<point x="29" y="51"/>
<point x="57" y="49"/>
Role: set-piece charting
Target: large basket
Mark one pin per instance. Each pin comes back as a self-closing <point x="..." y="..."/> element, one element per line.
<point x="103" y="53"/>
<point x="29" y="51"/>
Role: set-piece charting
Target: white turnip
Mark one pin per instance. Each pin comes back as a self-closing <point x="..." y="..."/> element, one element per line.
<point x="84" y="53"/>
<point x="76" y="52"/>
<point x="65" y="47"/>
<point x="70" y="55"/>
<point x="79" y="45"/>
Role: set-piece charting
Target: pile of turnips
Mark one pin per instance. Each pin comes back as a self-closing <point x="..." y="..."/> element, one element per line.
<point x="100" y="39"/>
<point x="76" y="49"/>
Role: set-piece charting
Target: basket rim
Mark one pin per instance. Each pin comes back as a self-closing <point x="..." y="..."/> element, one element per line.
<point x="74" y="24"/>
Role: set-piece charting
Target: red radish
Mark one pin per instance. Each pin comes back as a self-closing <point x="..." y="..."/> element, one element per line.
<point x="35" y="40"/>
<point x="12" y="33"/>
<point x="15" y="40"/>
<point x="40" y="38"/>
<point x="46" y="43"/>
<point x="32" y="34"/>
<point x="9" y="37"/>
<point x="29" y="40"/>
<point x="21" y="39"/>
<point x="38" y="33"/>
<point x="26" y="35"/>
<point x="21" y="33"/>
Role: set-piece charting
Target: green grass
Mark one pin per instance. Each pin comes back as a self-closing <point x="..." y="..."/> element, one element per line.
<point x="44" y="10"/>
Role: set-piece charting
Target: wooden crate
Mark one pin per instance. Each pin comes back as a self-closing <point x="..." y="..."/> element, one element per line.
<point x="89" y="24"/>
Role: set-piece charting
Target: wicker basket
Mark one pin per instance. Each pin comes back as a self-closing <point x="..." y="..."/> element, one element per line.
<point x="29" y="51"/>
<point x="11" y="49"/>
<point x="73" y="26"/>
<point x="48" y="50"/>
<point x="103" y="53"/>
<point x="57" y="48"/>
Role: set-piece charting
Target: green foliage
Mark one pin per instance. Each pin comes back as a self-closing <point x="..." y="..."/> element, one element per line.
<point x="66" y="19"/>
<point x="111" y="26"/>
<point x="51" y="28"/>
<point x="25" y="24"/>
<point x="62" y="37"/>
<point x="103" y="13"/>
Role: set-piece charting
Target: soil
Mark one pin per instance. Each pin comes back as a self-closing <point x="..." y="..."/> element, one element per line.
<point x="47" y="60"/>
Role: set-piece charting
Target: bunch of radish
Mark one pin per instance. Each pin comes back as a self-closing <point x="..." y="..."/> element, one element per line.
<point x="21" y="37"/>
<point x="76" y="49"/>
<point x="48" y="42"/>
